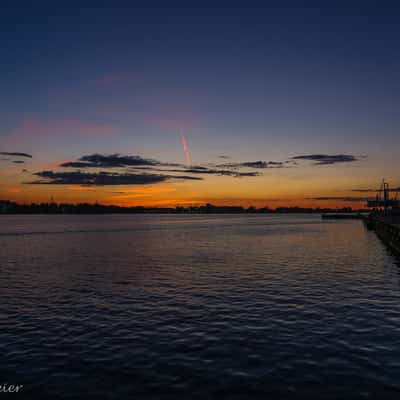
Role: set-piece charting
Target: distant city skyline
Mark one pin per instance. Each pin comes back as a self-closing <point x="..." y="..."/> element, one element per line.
<point x="179" y="105"/>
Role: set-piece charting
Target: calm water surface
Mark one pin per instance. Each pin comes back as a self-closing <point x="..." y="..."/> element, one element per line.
<point x="163" y="306"/>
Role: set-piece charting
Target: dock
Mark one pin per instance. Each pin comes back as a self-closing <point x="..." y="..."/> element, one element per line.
<point x="387" y="229"/>
<point x="384" y="218"/>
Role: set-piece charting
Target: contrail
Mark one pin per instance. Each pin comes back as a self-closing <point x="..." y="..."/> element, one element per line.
<point x="186" y="149"/>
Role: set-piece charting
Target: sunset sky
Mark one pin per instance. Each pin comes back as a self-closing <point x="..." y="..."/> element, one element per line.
<point x="172" y="104"/>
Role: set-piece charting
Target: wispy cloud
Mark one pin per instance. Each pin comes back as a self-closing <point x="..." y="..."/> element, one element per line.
<point x="15" y="154"/>
<point x="140" y="192"/>
<point x="111" y="161"/>
<point x="117" y="169"/>
<point x="339" y="198"/>
<point x="135" y="163"/>
<point x="186" y="149"/>
<point x="214" y="171"/>
<point x="103" y="178"/>
<point x="327" y="159"/>
<point x="31" y="130"/>
<point x="256" y="164"/>
<point x="394" y="190"/>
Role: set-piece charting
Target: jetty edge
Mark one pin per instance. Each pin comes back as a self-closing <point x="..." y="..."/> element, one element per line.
<point x="384" y="218"/>
<point x="387" y="228"/>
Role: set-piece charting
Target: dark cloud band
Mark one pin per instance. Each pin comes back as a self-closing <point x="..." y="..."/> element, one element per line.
<point x="110" y="161"/>
<point x="255" y="164"/>
<point x="393" y="190"/>
<point x="15" y="154"/>
<point x="326" y="159"/>
<point x="339" y="198"/>
<point x="136" y="170"/>
<point x="132" y="163"/>
<point x="103" y="178"/>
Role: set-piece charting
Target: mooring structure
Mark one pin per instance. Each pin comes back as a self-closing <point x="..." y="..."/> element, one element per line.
<point x="384" y="218"/>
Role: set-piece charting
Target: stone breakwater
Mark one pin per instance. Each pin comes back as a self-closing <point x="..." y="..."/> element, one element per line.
<point x="387" y="231"/>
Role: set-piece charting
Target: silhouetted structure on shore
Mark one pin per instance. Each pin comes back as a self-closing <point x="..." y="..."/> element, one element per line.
<point x="8" y="207"/>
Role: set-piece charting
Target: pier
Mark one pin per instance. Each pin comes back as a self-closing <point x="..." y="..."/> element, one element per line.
<point x="386" y="230"/>
<point x="385" y="218"/>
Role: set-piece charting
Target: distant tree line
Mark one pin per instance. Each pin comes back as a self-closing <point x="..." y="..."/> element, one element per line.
<point x="9" y="207"/>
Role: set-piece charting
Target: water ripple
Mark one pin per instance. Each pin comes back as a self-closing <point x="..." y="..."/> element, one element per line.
<point x="114" y="307"/>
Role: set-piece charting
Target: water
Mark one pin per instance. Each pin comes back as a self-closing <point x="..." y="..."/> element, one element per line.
<point x="164" y="306"/>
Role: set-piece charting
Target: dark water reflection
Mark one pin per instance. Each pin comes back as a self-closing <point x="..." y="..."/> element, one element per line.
<point x="160" y="306"/>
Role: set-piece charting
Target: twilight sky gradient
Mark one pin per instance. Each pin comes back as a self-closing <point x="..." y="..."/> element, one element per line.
<point x="311" y="89"/>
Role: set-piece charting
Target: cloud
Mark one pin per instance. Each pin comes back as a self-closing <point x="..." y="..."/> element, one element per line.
<point x="221" y="172"/>
<point x="138" y="192"/>
<point x="33" y="130"/>
<point x="113" y="161"/>
<point x="102" y="178"/>
<point x="18" y="162"/>
<point x="326" y="159"/>
<point x="139" y="163"/>
<point x="77" y="164"/>
<point x="213" y="171"/>
<point x="15" y="154"/>
<point x="393" y="190"/>
<point x="341" y="198"/>
<point x="256" y="164"/>
<point x="223" y="157"/>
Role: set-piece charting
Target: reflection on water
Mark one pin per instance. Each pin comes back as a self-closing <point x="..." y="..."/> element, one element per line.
<point x="163" y="306"/>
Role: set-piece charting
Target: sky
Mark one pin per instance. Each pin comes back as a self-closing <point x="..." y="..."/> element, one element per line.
<point x="250" y="103"/>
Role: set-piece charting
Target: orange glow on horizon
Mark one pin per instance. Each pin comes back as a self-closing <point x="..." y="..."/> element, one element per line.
<point x="161" y="197"/>
<point x="281" y="188"/>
